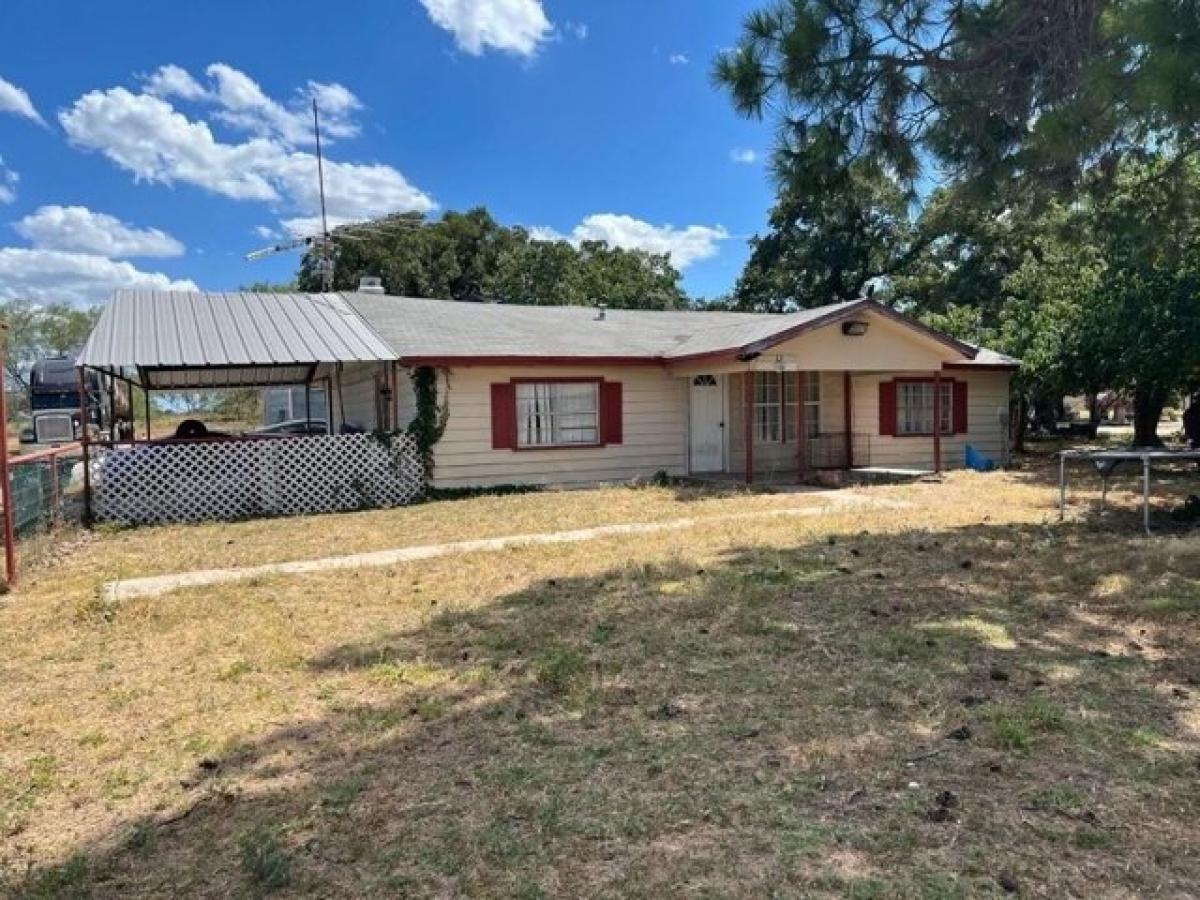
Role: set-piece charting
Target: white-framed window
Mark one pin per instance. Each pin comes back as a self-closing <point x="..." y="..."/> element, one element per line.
<point x="812" y="404"/>
<point x="768" y="395"/>
<point x="914" y="407"/>
<point x="558" y="414"/>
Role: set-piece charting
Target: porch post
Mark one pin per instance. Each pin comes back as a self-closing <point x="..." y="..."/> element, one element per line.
<point x="748" y="415"/>
<point x="848" y="417"/>
<point x="937" y="422"/>
<point x="802" y="425"/>
<point x="146" y="397"/>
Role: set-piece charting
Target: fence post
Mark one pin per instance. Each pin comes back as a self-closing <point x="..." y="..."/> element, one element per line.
<point x="83" y="438"/>
<point x="10" y="553"/>
<point x="54" y="490"/>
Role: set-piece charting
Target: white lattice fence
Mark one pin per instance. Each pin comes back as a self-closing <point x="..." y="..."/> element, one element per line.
<point x="239" y="479"/>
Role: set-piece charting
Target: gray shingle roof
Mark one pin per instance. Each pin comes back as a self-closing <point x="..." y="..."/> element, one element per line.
<point x="986" y="357"/>
<point x="418" y="327"/>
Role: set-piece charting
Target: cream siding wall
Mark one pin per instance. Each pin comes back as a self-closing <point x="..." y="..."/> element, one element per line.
<point x="654" y="423"/>
<point x="987" y="401"/>
<point x="887" y="346"/>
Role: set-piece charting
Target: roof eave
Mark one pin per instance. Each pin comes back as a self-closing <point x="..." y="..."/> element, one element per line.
<point x="969" y="365"/>
<point x="467" y="359"/>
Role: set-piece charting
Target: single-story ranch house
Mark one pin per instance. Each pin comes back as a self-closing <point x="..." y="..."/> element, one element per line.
<point x="571" y="395"/>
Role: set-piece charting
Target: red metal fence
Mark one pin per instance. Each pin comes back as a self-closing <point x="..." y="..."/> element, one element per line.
<point x="40" y="491"/>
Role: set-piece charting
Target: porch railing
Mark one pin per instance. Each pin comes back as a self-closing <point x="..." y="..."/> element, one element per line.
<point x="828" y="451"/>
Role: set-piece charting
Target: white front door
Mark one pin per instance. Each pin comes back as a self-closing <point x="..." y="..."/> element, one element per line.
<point x="707" y="424"/>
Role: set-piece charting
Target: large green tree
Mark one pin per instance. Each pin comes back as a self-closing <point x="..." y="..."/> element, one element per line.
<point x="470" y="255"/>
<point x="1145" y="317"/>
<point x="994" y="92"/>
<point x="1101" y="292"/>
<point x="37" y="330"/>
<point x="832" y="230"/>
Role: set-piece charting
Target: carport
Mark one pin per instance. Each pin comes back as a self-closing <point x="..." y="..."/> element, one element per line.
<point x="160" y="341"/>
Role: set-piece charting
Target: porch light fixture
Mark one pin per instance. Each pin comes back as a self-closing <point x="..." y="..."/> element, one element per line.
<point x="854" y="328"/>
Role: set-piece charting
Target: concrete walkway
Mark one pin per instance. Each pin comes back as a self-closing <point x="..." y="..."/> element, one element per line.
<point x="156" y="585"/>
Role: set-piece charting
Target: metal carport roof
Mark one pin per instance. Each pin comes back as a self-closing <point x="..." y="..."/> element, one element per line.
<point x="184" y="339"/>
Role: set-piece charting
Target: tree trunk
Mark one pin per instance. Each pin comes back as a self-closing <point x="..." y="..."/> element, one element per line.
<point x="1148" y="406"/>
<point x="1045" y="414"/>
<point x="1093" y="408"/>
<point x="1018" y="412"/>
<point x="1191" y="421"/>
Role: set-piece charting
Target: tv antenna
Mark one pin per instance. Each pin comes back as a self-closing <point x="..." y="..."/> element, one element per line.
<point x="322" y="244"/>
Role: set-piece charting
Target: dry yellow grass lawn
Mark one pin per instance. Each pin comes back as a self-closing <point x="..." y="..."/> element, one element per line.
<point x="948" y="699"/>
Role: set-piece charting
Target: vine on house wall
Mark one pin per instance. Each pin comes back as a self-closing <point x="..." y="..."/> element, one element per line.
<point x="429" y="423"/>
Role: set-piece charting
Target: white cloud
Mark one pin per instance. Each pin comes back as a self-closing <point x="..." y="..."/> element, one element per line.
<point x="14" y="100"/>
<point x="48" y="276"/>
<point x="148" y="137"/>
<point x="545" y="233"/>
<point x="173" y="81"/>
<point x="511" y="26"/>
<point x="579" y="30"/>
<point x="145" y="135"/>
<point x="677" y="59"/>
<point x="8" y="183"/>
<point x="743" y="155"/>
<point x="267" y="234"/>
<point x="79" y="229"/>
<point x="684" y="245"/>
<point x="242" y="104"/>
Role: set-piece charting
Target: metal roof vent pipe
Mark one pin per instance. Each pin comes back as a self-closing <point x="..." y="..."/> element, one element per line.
<point x="371" y="284"/>
<point x="601" y="312"/>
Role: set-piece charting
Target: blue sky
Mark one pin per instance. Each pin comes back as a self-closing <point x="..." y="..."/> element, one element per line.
<point x="580" y="118"/>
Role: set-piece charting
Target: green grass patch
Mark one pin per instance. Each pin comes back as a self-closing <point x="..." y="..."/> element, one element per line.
<point x="558" y="669"/>
<point x="265" y="864"/>
<point x="69" y="881"/>
<point x="1180" y="597"/>
<point x="236" y="670"/>
<point x="1014" y="726"/>
<point x="341" y="794"/>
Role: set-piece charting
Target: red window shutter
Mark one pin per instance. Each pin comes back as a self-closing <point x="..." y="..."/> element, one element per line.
<point x="959" y="393"/>
<point x="504" y="416"/>
<point x="611" y="413"/>
<point x="887" y="407"/>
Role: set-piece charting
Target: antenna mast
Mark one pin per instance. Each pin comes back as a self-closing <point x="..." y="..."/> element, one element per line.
<point x="324" y="245"/>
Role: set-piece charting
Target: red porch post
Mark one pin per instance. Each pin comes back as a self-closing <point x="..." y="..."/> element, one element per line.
<point x="802" y="425"/>
<point x="937" y="422"/>
<point x="848" y="417"/>
<point x="748" y="415"/>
